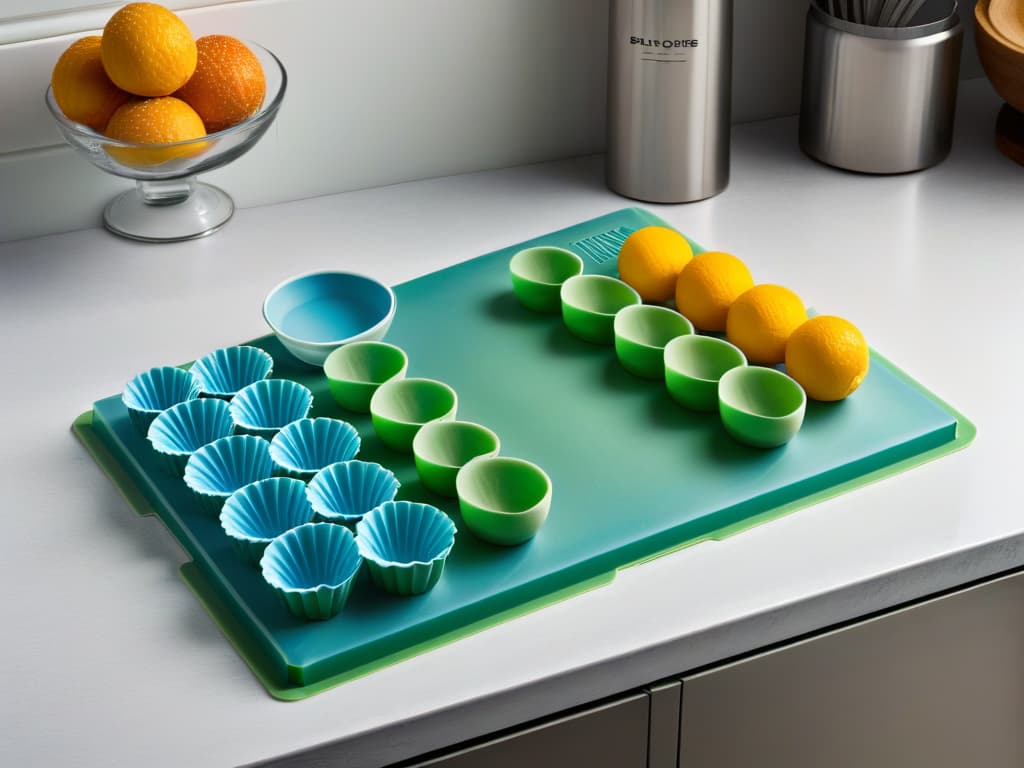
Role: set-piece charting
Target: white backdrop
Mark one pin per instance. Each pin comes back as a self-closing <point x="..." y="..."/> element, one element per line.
<point x="380" y="91"/>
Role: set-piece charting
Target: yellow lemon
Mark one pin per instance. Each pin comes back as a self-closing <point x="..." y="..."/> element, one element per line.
<point x="651" y="259"/>
<point x="761" y="321"/>
<point x="828" y="357"/>
<point x="147" y="50"/>
<point x="708" y="286"/>
<point x="81" y="87"/>
<point x="155" y="121"/>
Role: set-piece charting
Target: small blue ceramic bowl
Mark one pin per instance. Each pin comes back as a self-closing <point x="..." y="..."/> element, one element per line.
<point x="266" y="406"/>
<point x="405" y="545"/>
<point x="344" y="492"/>
<point x="314" y="314"/>
<point x="223" y="372"/>
<point x="184" y="428"/>
<point x="304" y="447"/>
<point x="154" y="391"/>
<point x="312" y="568"/>
<point x="219" y="469"/>
<point x="255" y="515"/>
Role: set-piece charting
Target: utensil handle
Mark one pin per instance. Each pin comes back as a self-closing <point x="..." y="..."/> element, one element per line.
<point x="885" y="15"/>
<point x="911" y="12"/>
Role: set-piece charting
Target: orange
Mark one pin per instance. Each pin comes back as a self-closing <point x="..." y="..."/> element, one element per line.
<point x="828" y="357"/>
<point x="228" y="84"/>
<point x="155" y="121"/>
<point x="708" y="286"/>
<point x="81" y="87"/>
<point x="147" y="50"/>
<point x="761" y="321"/>
<point x="651" y="259"/>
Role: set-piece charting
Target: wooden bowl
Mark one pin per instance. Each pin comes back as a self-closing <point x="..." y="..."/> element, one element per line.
<point x="1007" y="16"/>
<point x="1002" y="59"/>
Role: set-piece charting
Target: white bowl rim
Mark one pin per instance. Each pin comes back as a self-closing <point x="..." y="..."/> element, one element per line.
<point x="575" y="280"/>
<point x="511" y="460"/>
<point x="623" y="314"/>
<point x="756" y="370"/>
<point x="336" y="342"/>
<point x="521" y="254"/>
<point x="670" y="365"/>
<point x="375" y="411"/>
<point x="433" y="426"/>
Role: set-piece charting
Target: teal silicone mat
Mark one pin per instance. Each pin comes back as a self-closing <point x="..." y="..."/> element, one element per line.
<point x="634" y="475"/>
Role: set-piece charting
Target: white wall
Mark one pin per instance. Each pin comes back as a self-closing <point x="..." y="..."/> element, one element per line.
<point x="380" y="91"/>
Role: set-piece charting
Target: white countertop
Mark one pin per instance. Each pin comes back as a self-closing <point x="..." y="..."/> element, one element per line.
<point x="110" y="660"/>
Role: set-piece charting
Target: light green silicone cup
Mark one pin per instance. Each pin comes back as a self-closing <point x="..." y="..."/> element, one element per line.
<point x="401" y="406"/>
<point x="442" y="448"/>
<point x="538" y="274"/>
<point x="641" y="333"/>
<point x="590" y="303"/>
<point x="504" y="501"/>
<point x="693" y="367"/>
<point x="761" y="407"/>
<point x="355" y="371"/>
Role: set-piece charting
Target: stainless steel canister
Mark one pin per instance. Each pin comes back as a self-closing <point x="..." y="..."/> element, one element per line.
<point x="879" y="100"/>
<point x="669" y="91"/>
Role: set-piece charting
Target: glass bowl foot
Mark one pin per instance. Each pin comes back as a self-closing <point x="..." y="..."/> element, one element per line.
<point x="168" y="211"/>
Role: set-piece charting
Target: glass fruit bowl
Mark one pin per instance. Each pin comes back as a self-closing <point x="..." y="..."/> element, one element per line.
<point x="168" y="203"/>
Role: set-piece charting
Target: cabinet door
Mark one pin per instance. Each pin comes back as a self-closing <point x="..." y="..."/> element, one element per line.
<point x="936" y="685"/>
<point x="613" y="735"/>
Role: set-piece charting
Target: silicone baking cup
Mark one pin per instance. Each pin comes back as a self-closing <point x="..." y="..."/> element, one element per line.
<point x="224" y="372"/>
<point x="344" y="492"/>
<point x="219" y="469"/>
<point x="184" y="428"/>
<point x="304" y="447"/>
<point x="255" y="515"/>
<point x="405" y="545"/>
<point x="312" y="568"/>
<point x="266" y="406"/>
<point x="154" y="391"/>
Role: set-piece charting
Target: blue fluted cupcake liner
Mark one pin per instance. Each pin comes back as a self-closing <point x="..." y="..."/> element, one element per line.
<point x="312" y="568"/>
<point x="344" y="492"/>
<point x="405" y="545"/>
<point x="184" y="428"/>
<point x="224" y="372"/>
<point x="219" y="469"/>
<point x="304" y="447"/>
<point x="258" y="513"/>
<point x="154" y="391"/>
<point x="266" y="406"/>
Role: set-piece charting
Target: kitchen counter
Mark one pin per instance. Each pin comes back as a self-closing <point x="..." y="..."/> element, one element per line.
<point x="112" y="661"/>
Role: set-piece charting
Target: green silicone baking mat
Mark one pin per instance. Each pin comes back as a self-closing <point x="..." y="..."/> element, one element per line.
<point x="634" y="475"/>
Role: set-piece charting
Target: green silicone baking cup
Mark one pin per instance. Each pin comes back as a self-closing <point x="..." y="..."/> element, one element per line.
<point x="693" y="367"/>
<point x="355" y="371"/>
<point x="590" y="303"/>
<point x="641" y="333"/>
<point x="503" y="500"/>
<point x="761" y="407"/>
<point x="442" y="448"/>
<point x="401" y="406"/>
<point x="538" y="274"/>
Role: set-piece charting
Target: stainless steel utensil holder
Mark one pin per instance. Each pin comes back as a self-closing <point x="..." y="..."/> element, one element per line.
<point x="877" y="100"/>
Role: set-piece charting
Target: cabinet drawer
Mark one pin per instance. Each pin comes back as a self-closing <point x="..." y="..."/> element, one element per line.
<point x="939" y="684"/>
<point x="612" y="735"/>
